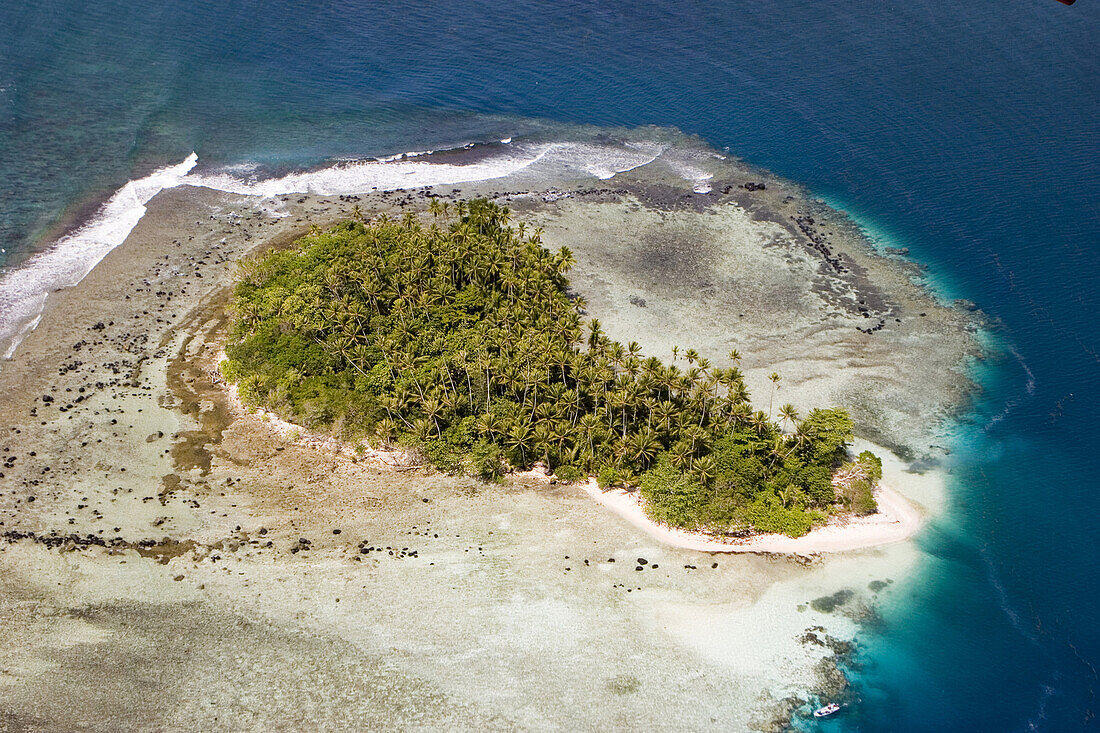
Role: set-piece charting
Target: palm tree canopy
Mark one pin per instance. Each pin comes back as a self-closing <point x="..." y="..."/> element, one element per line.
<point x="456" y="332"/>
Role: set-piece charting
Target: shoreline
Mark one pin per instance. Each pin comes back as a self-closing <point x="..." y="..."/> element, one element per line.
<point x="896" y="521"/>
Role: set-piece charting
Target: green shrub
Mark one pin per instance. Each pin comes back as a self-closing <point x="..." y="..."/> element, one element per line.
<point x="443" y="456"/>
<point x="828" y="433"/>
<point x="857" y="490"/>
<point x="570" y="473"/>
<point x="862" y="501"/>
<point x="872" y="465"/>
<point x="228" y="370"/>
<point x="671" y="496"/>
<point x="608" y="477"/>
<point x="767" y="514"/>
<point x="487" y="460"/>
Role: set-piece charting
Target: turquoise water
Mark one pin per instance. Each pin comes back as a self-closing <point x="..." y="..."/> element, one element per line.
<point x="967" y="132"/>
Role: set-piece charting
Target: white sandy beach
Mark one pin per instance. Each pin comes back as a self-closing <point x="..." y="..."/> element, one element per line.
<point x="896" y="520"/>
<point x="901" y="514"/>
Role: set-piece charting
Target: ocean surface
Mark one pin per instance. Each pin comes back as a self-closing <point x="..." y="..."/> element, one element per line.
<point x="967" y="132"/>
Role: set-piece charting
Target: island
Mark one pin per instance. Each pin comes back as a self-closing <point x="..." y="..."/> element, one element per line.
<point x="468" y="440"/>
<point x="460" y="339"/>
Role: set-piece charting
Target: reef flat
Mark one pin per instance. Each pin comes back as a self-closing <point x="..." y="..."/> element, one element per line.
<point x="209" y="569"/>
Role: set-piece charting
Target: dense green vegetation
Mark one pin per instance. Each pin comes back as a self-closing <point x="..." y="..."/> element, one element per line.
<point x="459" y="336"/>
<point x="855" y="482"/>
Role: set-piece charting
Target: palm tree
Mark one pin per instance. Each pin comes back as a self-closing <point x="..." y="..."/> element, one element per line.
<point x="591" y="428"/>
<point x="788" y="495"/>
<point x="385" y="431"/>
<point x="422" y="427"/>
<point x="739" y="413"/>
<point x="698" y="438"/>
<point x="542" y="441"/>
<point x="642" y="447"/>
<point x="561" y="437"/>
<point x="519" y="439"/>
<point x="433" y="407"/>
<point x="489" y="425"/>
<point x="775" y="452"/>
<point x="564" y="261"/>
<point x="663" y="413"/>
<point x="774" y="377"/>
<point x="617" y="402"/>
<point x="789" y="414"/>
<point x="594" y="334"/>
<point x="394" y="407"/>
<point x="705" y="470"/>
<point x="680" y="452"/>
<point x="759" y="422"/>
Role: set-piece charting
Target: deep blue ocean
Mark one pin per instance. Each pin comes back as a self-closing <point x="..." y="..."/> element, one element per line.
<point x="965" y="131"/>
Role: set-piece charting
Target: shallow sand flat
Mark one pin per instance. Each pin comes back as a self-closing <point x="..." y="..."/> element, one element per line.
<point x="742" y="274"/>
<point x="496" y="623"/>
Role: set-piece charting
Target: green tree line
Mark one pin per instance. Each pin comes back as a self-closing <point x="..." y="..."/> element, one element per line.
<point x="459" y="335"/>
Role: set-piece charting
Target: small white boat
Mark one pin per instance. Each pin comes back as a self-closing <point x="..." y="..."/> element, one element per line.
<point x="827" y="710"/>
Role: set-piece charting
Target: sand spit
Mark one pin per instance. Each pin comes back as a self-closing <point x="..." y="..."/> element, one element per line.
<point x="288" y="585"/>
<point x="896" y="520"/>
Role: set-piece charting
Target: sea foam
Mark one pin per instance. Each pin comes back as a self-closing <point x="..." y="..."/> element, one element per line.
<point x="387" y="174"/>
<point x="690" y="165"/>
<point x="607" y="161"/>
<point x="23" y="290"/>
<point x="416" y="169"/>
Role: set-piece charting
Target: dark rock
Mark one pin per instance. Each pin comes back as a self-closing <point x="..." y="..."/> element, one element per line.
<point x="827" y="604"/>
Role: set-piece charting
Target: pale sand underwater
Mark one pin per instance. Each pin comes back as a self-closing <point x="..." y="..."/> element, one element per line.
<point x="179" y="566"/>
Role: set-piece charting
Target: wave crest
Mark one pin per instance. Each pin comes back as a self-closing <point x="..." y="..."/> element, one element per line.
<point x="23" y="291"/>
